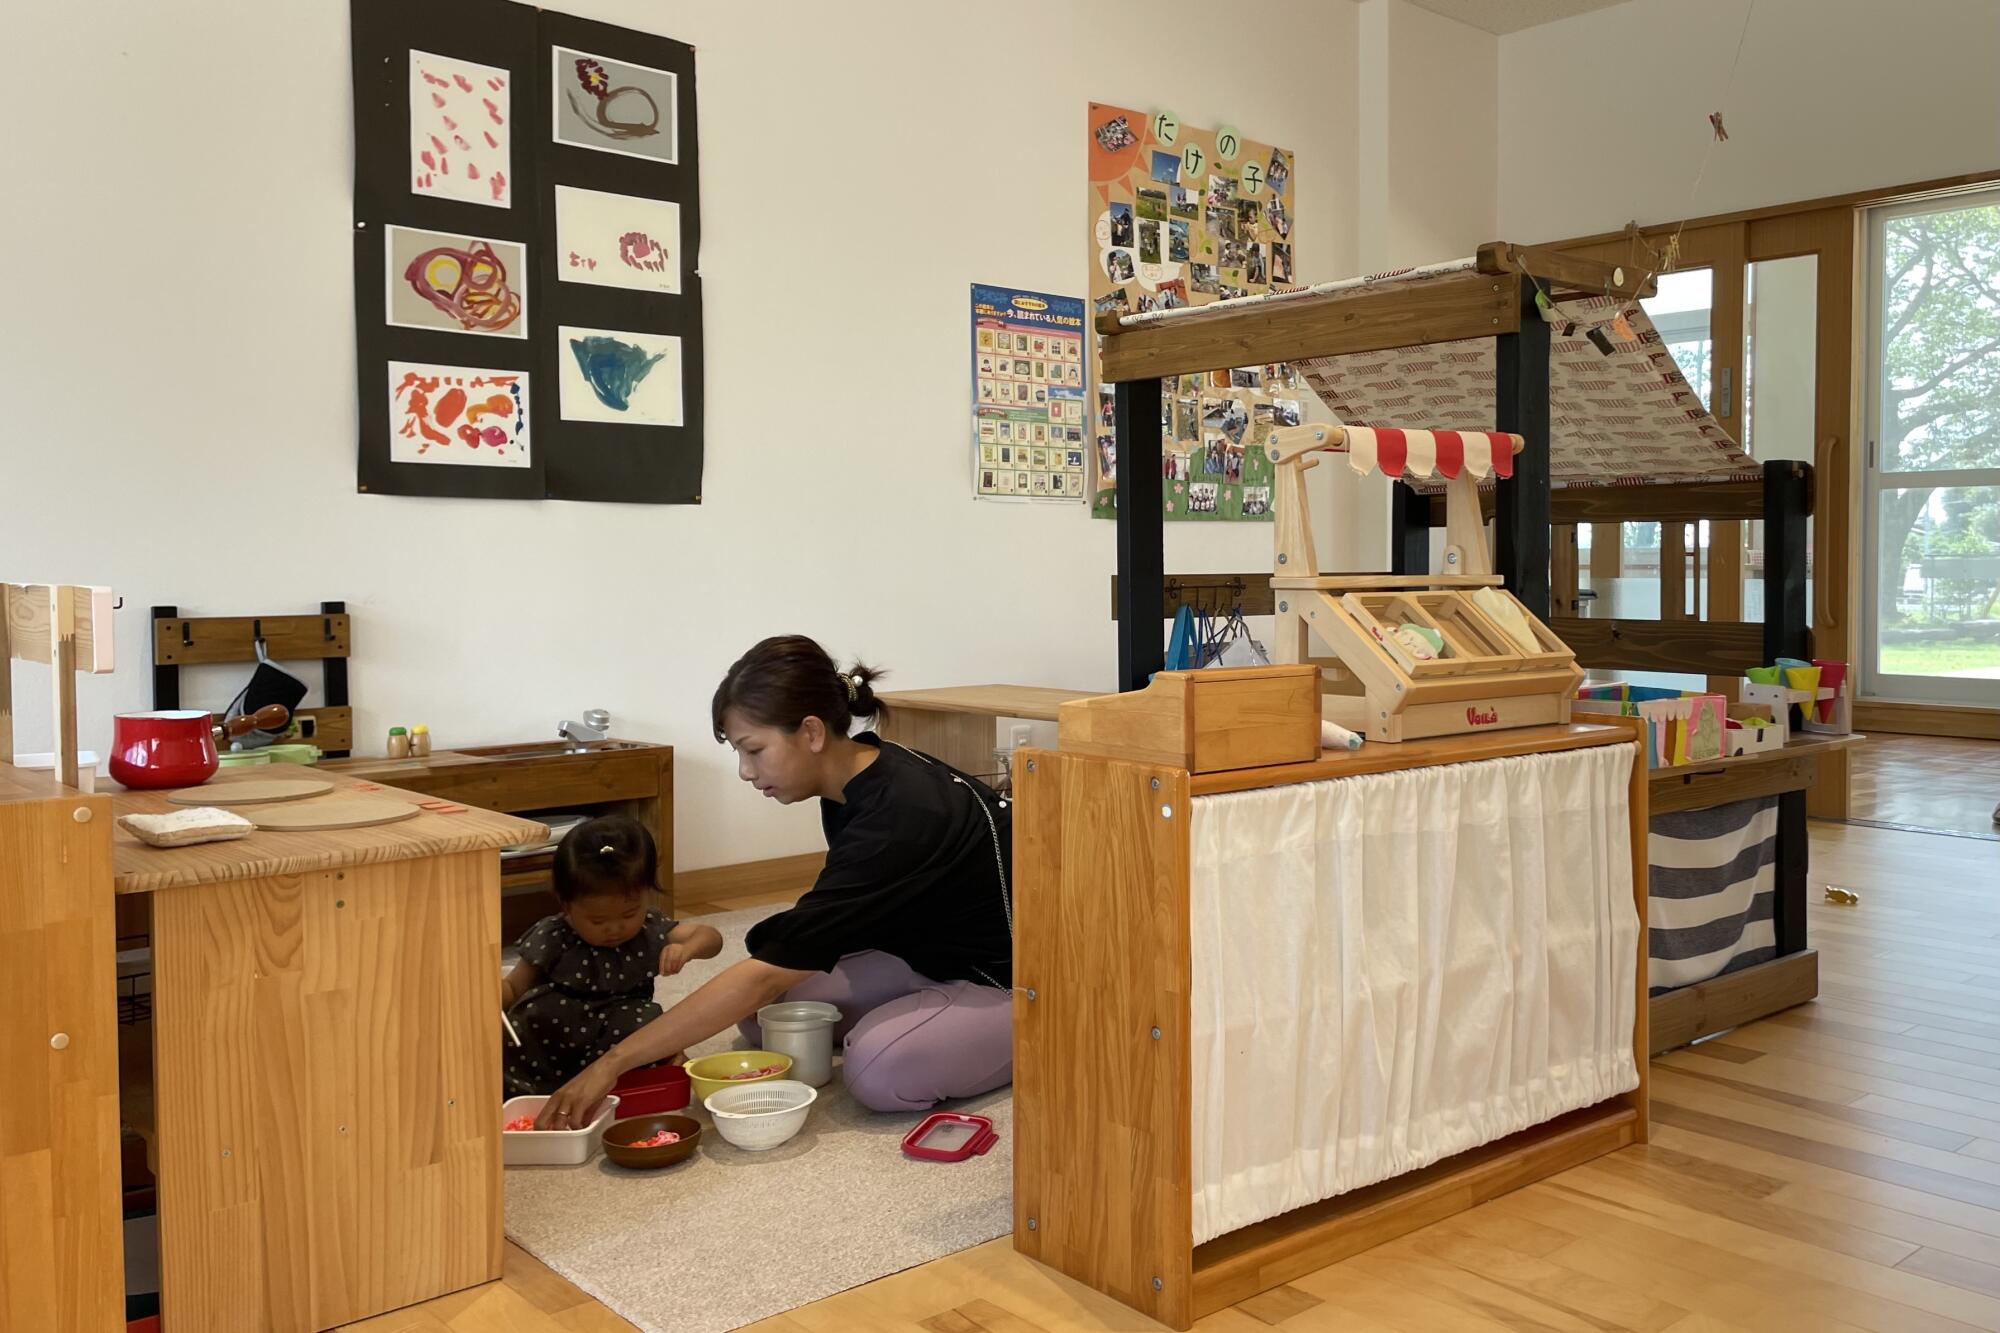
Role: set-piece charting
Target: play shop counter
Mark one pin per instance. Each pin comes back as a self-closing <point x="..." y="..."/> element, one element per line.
<point x="324" y="1096"/>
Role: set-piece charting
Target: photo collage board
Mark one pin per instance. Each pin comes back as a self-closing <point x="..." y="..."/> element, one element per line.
<point x="526" y="233"/>
<point x="1184" y="216"/>
<point x="1028" y="415"/>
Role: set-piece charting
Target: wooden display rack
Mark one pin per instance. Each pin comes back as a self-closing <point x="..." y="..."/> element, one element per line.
<point x="1483" y="679"/>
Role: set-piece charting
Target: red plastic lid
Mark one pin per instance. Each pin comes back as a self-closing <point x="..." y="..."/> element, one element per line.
<point x="947" y="1136"/>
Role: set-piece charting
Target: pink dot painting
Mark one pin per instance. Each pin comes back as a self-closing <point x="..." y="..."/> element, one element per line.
<point x="449" y="163"/>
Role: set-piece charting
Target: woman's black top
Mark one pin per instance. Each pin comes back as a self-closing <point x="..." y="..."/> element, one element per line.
<point x="919" y="864"/>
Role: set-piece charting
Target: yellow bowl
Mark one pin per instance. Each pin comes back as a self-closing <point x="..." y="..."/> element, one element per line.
<point x="712" y="1073"/>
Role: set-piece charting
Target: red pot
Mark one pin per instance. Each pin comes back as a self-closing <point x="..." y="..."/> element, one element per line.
<point x="172" y="748"/>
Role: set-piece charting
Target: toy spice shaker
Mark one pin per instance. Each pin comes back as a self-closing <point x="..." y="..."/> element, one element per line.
<point x="420" y="741"/>
<point x="399" y="743"/>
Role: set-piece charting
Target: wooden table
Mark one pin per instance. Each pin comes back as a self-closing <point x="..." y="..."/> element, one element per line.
<point x="326" y="1064"/>
<point x="1735" y="998"/>
<point x="955" y="723"/>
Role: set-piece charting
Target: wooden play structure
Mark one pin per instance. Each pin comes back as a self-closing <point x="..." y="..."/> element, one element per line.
<point x="1495" y="664"/>
<point x="1123" y="1013"/>
<point x="1510" y="306"/>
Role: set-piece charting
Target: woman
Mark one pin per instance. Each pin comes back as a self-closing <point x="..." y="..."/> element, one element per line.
<point x="908" y="929"/>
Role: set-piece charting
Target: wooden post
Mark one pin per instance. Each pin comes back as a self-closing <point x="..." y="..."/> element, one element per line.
<point x="62" y="665"/>
<point x="336" y="684"/>
<point x="1673" y="570"/>
<point x="1564" y="577"/>
<point x="1135" y="422"/>
<point x="1787" y="504"/>
<point x="6" y="679"/>
<point x="1788" y="898"/>
<point x="1521" y="514"/>
<point x="1607" y="552"/>
<point x="1465" y="548"/>
<point x="167" y="678"/>
<point x="1293" y="552"/>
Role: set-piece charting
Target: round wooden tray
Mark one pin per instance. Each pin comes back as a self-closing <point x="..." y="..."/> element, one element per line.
<point x="337" y="813"/>
<point x="250" y="791"/>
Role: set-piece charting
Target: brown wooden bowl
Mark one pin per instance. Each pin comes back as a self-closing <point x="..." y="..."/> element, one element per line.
<point x="622" y="1134"/>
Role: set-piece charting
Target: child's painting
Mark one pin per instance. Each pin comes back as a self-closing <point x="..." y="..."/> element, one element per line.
<point x="618" y="240"/>
<point x="457" y="415"/>
<point x="626" y="378"/>
<point x="460" y="130"/>
<point x="613" y="106"/>
<point x="461" y="284"/>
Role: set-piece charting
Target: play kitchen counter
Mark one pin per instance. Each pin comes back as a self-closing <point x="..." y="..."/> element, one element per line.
<point x="325" y="1102"/>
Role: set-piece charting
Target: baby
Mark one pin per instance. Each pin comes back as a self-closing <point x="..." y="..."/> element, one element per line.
<point x="585" y="979"/>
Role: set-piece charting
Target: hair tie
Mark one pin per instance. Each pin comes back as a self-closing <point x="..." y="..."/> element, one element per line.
<point x="606" y="849"/>
<point x="853" y="692"/>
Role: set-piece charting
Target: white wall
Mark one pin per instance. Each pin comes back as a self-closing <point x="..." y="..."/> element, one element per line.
<point x="1603" y="117"/>
<point x="1428" y="159"/>
<point x="177" y="360"/>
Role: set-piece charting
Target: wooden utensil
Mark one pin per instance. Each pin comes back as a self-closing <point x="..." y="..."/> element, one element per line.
<point x="271" y="717"/>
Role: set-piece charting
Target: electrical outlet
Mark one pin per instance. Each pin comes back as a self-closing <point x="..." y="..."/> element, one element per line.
<point x="1018" y="736"/>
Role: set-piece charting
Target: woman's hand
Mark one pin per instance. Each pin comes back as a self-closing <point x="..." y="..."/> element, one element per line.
<point x="673" y="958"/>
<point x="575" y="1101"/>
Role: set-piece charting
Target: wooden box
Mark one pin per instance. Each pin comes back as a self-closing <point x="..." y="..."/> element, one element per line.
<point x="1203" y="721"/>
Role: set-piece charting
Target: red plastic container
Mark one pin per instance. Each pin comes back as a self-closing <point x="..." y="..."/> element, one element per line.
<point x="947" y="1136"/>
<point x="652" y="1090"/>
<point x="172" y="748"/>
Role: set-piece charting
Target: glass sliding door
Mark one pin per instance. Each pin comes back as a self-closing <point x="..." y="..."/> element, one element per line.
<point x="1931" y="503"/>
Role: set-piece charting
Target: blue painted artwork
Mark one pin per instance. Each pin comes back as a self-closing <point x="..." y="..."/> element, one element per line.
<point x="613" y="369"/>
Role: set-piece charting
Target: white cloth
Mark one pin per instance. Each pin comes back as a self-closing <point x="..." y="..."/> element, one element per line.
<point x="1394" y="968"/>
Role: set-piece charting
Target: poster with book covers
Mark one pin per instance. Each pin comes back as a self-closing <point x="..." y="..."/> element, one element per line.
<point x="1028" y="418"/>
<point x="1179" y="216"/>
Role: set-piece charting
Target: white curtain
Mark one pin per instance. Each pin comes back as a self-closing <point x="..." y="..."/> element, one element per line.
<point x="1391" y="969"/>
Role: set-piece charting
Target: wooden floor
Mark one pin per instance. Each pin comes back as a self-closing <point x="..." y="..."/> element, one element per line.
<point x="1926" y="782"/>
<point x="1831" y="1169"/>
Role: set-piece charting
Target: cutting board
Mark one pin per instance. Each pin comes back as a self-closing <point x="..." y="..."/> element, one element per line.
<point x="337" y="813"/>
<point x="250" y="791"/>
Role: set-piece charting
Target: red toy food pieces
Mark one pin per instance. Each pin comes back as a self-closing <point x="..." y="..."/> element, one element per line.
<point x="659" y="1139"/>
<point x="519" y="1124"/>
<point x="765" y="1072"/>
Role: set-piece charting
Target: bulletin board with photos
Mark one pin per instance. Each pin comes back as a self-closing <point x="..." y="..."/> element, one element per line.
<point x="1028" y="395"/>
<point x="1185" y="216"/>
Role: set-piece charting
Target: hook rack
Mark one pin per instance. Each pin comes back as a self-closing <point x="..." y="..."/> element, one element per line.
<point x="180" y="641"/>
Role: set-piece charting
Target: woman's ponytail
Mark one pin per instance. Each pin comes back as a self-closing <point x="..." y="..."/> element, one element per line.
<point x="783" y="681"/>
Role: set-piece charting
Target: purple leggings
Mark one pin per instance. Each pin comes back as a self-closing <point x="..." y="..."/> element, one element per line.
<point x="910" y="1042"/>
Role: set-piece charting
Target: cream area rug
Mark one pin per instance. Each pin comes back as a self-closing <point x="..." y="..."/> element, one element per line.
<point x="730" y="1237"/>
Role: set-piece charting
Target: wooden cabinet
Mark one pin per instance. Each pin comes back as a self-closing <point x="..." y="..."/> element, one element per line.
<point x="61" y="1244"/>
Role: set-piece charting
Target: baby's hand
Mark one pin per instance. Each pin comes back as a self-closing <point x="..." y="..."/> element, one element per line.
<point x="673" y="958"/>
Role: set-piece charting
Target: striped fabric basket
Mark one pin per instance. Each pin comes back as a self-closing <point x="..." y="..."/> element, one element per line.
<point x="1712" y="881"/>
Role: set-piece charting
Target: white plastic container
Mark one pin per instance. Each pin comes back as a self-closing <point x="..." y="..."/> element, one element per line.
<point x="86" y="767"/>
<point x="550" y="1147"/>
<point x="760" y="1116"/>
<point x="802" y="1029"/>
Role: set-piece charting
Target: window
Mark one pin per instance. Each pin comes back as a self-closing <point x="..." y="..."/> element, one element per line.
<point x="1932" y="501"/>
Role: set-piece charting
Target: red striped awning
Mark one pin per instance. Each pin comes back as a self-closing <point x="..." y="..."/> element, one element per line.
<point x="1422" y="454"/>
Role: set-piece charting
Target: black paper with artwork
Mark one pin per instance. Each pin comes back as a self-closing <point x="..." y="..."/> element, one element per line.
<point x="526" y="228"/>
